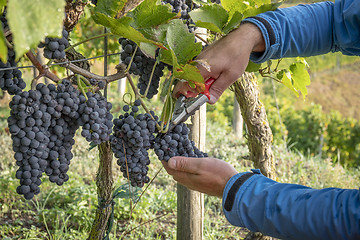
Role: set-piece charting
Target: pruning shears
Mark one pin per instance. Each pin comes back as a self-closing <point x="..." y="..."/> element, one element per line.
<point x="186" y="106"/>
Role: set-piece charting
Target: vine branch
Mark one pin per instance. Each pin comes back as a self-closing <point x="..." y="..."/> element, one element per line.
<point x="120" y="74"/>
<point x="43" y="72"/>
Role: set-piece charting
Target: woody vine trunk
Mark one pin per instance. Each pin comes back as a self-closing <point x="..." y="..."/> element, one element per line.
<point x="259" y="133"/>
<point x="104" y="183"/>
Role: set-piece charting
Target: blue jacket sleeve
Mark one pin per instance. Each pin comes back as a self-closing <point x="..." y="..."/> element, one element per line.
<point x="291" y="211"/>
<point x="307" y="30"/>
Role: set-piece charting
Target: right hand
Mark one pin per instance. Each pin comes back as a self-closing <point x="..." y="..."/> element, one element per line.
<point x="206" y="175"/>
<point x="228" y="59"/>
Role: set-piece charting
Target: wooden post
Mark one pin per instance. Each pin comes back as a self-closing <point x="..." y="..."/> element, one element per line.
<point x="190" y="204"/>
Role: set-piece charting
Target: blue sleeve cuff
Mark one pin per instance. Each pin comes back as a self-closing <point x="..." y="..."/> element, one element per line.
<point x="270" y="36"/>
<point x="233" y="193"/>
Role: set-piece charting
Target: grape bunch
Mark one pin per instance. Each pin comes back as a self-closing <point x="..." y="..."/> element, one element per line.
<point x="42" y="137"/>
<point x="132" y="138"/>
<point x="142" y="66"/>
<point x="11" y="79"/>
<point x="95" y="118"/>
<point x="54" y="47"/>
<point x="42" y="124"/>
<point x="176" y="143"/>
<point x="184" y="8"/>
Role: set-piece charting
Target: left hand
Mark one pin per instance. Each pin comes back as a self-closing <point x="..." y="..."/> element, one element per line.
<point x="206" y="175"/>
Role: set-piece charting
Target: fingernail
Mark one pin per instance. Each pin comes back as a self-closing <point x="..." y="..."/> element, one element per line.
<point x="172" y="163"/>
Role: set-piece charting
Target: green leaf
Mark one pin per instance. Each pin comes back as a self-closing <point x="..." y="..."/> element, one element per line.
<point x="166" y="87"/>
<point x="259" y="2"/>
<point x="233" y="23"/>
<point x="148" y="49"/>
<point x="127" y="191"/>
<point x="212" y="17"/>
<point x="233" y="6"/>
<point x="263" y="8"/>
<point x="3" y="47"/>
<point x="189" y="73"/>
<point x="122" y="28"/>
<point x="110" y="7"/>
<point x="182" y="42"/>
<point x="300" y="77"/>
<point x="32" y="21"/>
<point x="252" y="67"/>
<point x="149" y="14"/>
<point x="285" y="77"/>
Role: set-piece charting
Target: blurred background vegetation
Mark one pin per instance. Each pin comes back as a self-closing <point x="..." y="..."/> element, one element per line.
<point x="316" y="144"/>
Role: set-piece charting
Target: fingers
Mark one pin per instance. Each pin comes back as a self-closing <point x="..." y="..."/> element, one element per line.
<point x="185" y="164"/>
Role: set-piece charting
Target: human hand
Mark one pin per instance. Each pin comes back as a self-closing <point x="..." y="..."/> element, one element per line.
<point x="206" y="175"/>
<point x="227" y="58"/>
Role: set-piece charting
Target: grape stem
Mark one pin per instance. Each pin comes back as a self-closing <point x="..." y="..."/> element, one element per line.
<point x="132" y="59"/>
<point x="151" y="76"/>
<point x="85" y="80"/>
<point x="201" y="38"/>
<point x="80" y="87"/>
<point x="43" y="72"/>
<point x="137" y="96"/>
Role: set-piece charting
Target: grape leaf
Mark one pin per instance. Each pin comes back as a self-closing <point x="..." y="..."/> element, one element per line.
<point x="122" y="28"/>
<point x="32" y="21"/>
<point x="3" y="47"/>
<point x="189" y="73"/>
<point x="233" y="23"/>
<point x="300" y="77"/>
<point x="252" y="67"/>
<point x="110" y="7"/>
<point x="285" y="77"/>
<point x="212" y="17"/>
<point x="149" y="14"/>
<point x="263" y="8"/>
<point x="182" y="42"/>
<point x="233" y="6"/>
<point x="259" y="2"/>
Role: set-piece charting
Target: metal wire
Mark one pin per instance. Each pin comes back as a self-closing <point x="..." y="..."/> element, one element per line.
<point x="62" y="63"/>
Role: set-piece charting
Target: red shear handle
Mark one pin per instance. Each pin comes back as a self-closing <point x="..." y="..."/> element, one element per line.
<point x="208" y="84"/>
<point x="185" y="89"/>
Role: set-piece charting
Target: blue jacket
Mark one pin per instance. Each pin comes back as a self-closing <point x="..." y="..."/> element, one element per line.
<point x="291" y="211"/>
<point x="308" y="30"/>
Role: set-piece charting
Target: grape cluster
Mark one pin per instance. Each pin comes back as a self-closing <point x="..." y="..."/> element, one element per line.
<point x="184" y="8"/>
<point x="95" y="118"/>
<point x="134" y="134"/>
<point x="10" y="80"/>
<point x="142" y="66"/>
<point x="42" y="138"/>
<point x="132" y="138"/>
<point x="43" y="123"/>
<point x="54" y="47"/>
<point x="176" y="143"/>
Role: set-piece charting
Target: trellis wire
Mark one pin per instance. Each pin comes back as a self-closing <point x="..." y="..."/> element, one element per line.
<point x="63" y="63"/>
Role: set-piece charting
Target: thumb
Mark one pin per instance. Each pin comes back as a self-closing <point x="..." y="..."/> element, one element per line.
<point x="185" y="164"/>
